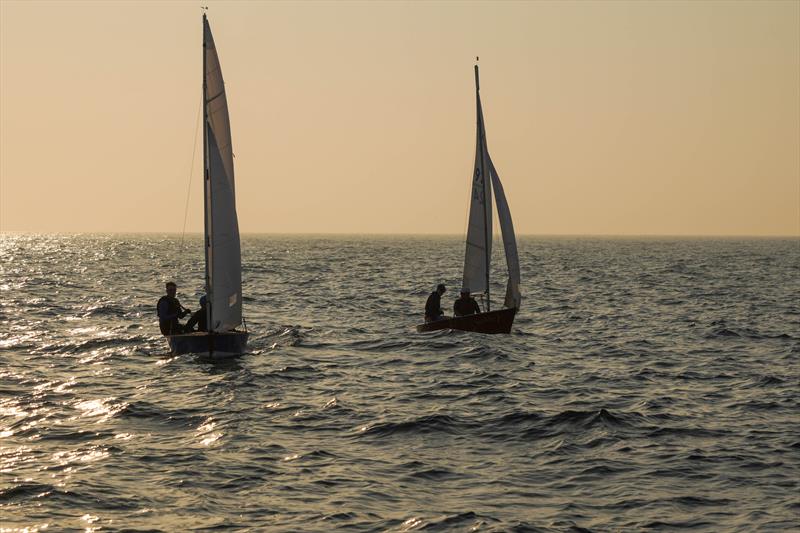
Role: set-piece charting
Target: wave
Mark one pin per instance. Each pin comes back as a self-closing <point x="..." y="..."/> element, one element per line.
<point x="686" y="524"/>
<point x="686" y="432"/>
<point x="181" y="418"/>
<point x="92" y="344"/>
<point x="316" y="455"/>
<point x="379" y="345"/>
<point x="108" y="310"/>
<point x="459" y="521"/>
<point x="589" y="419"/>
<point x="526" y="425"/>
<point x="67" y="434"/>
<point x="52" y="496"/>
<point x="422" y="425"/>
<point x="294" y="373"/>
<point x="435" y="474"/>
<point x="720" y="329"/>
<point x="25" y="490"/>
<point x="766" y="381"/>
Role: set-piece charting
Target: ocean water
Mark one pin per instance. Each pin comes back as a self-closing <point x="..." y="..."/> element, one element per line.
<point x="647" y="384"/>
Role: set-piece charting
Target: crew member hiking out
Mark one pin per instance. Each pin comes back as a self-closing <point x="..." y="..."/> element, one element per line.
<point x="169" y="311"/>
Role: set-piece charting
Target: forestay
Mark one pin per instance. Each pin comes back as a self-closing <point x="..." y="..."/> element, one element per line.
<point x="223" y="258"/>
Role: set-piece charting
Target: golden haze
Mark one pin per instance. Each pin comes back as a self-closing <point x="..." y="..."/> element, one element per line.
<point x="672" y="118"/>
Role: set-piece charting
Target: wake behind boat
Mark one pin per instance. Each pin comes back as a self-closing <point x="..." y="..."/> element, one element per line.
<point x="223" y="262"/>
<point x="478" y="255"/>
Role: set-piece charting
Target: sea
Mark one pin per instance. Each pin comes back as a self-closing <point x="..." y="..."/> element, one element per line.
<point x="647" y="384"/>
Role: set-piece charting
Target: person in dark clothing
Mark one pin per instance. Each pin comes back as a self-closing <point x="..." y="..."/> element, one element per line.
<point x="433" y="307"/>
<point x="198" y="318"/>
<point x="466" y="304"/>
<point x="169" y="311"/>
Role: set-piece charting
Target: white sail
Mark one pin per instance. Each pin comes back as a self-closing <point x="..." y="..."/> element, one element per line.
<point x="513" y="296"/>
<point x="479" y="230"/>
<point x="224" y="263"/>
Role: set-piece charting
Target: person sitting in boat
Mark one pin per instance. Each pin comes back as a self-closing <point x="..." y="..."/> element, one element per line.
<point x="198" y="318"/>
<point x="433" y="307"/>
<point x="466" y="304"/>
<point x="169" y="311"/>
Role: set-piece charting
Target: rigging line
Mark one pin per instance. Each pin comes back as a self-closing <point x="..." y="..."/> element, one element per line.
<point x="191" y="171"/>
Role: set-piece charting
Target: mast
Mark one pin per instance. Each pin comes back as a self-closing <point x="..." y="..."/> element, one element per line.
<point x="486" y="206"/>
<point x="206" y="188"/>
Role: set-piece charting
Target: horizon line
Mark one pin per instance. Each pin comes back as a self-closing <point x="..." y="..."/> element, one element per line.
<point x="401" y="234"/>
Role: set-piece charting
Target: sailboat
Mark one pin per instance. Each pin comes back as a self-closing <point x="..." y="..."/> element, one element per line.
<point x="478" y="255"/>
<point x="223" y="261"/>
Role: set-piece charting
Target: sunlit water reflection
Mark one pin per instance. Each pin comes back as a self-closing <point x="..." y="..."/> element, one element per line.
<point x="646" y="384"/>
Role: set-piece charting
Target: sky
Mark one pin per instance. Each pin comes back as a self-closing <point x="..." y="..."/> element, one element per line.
<point x="609" y="118"/>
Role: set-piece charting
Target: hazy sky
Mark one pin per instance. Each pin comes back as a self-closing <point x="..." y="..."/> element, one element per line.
<point x="359" y="117"/>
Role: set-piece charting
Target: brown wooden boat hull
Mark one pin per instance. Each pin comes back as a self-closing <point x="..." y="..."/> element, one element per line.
<point x="491" y="322"/>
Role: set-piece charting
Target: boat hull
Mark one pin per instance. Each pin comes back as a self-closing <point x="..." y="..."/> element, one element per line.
<point x="491" y="322"/>
<point x="215" y="345"/>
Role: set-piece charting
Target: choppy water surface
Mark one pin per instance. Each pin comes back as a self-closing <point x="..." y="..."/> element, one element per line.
<point x="646" y="384"/>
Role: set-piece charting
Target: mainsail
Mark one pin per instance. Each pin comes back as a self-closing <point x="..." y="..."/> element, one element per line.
<point x="223" y="254"/>
<point x="479" y="231"/>
<point x="477" y="260"/>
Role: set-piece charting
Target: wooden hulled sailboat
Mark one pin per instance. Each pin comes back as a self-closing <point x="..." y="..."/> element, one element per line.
<point x="222" y="249"/>
<point x="477" y="259"/>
